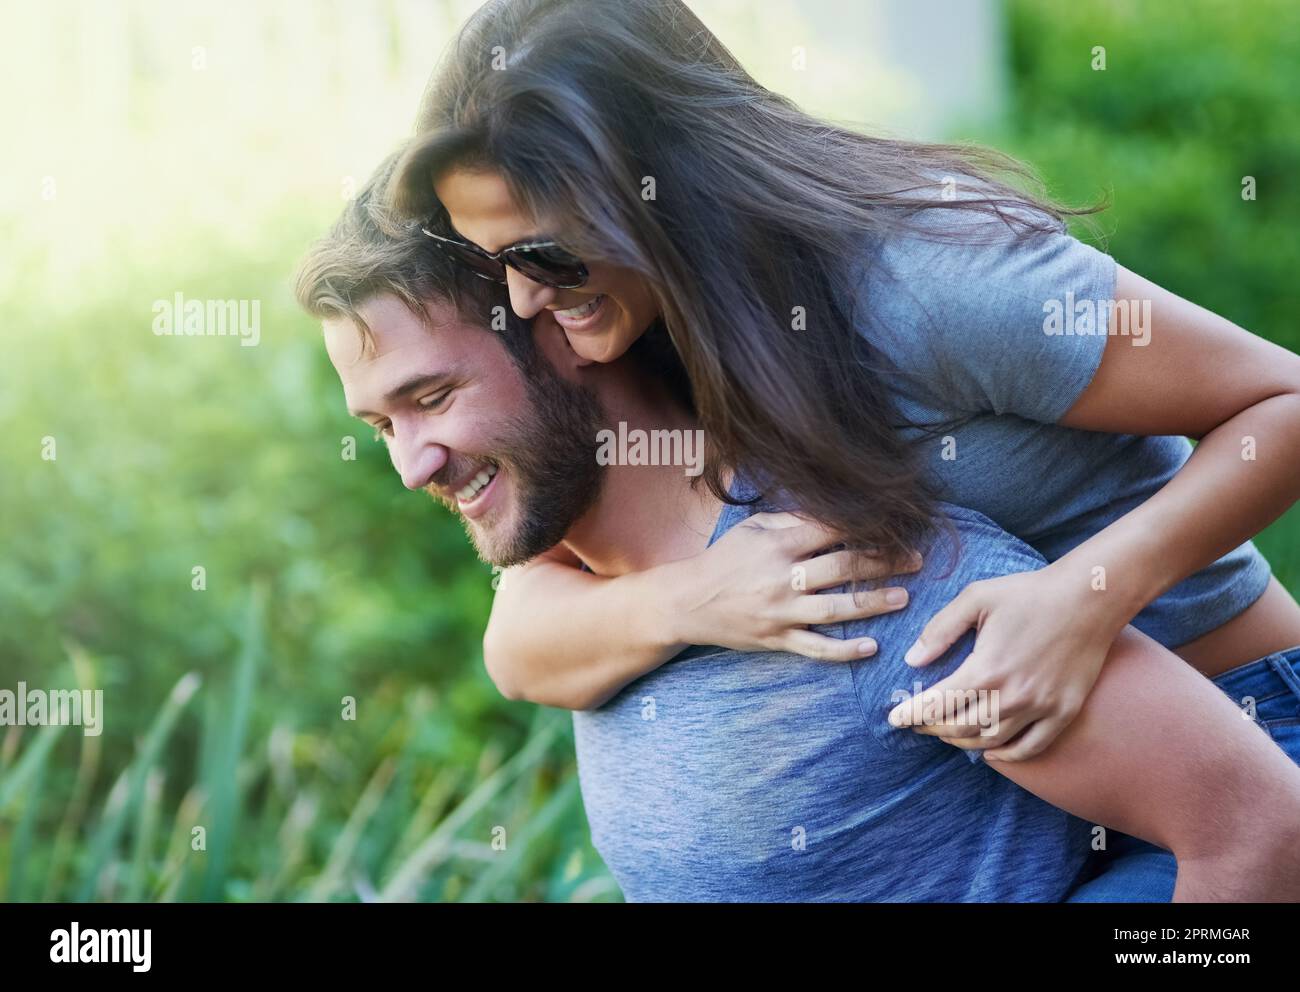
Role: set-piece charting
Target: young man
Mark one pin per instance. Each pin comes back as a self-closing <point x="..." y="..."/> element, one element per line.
<point x="769" y="776"/>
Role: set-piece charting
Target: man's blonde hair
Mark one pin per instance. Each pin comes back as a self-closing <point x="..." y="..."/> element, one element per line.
<point x="369" y="252"/>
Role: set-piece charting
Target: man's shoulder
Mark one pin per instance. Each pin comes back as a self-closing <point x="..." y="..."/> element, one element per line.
<point x="965" y="544"/>
<point x="982" y="544"/>
<point x="715" y="692"/>
<point x="969" y="547"/>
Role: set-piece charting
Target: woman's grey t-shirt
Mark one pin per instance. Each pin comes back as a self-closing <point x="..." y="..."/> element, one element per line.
<point x="1001" y="336"/>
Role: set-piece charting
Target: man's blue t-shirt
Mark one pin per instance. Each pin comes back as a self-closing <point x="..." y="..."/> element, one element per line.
<point x="730" y="776"/>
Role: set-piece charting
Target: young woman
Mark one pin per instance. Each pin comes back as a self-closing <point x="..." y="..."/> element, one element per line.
<point x="868" y="325"/>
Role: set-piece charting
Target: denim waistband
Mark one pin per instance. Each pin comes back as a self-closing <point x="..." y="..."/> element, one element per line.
<point x="1265" y="677"/>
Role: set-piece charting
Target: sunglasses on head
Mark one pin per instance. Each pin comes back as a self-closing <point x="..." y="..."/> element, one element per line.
<point x="543" y="262"/>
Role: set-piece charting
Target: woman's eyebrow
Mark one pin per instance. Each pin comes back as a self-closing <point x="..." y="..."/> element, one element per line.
<point x="416" y="383"/>
<point x="523" y="239"/>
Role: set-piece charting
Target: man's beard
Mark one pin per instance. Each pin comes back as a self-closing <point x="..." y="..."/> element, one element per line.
<point x="549" y="455"/>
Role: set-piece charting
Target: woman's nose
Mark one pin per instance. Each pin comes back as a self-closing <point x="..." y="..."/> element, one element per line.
<point x="527" y="297"/>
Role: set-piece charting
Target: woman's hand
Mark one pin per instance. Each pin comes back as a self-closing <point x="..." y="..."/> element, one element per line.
<point x="1040" y="643"/>
<point x="756" y="589"/>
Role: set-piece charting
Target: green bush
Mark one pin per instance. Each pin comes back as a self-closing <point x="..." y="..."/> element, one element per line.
<point x="1195" y="97"/>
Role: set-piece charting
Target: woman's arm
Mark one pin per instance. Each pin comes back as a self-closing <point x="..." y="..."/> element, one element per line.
<point x="1043" y="636"/>
<point x="563" y="637"/>
<point x="1206" y="378"/>
<point x="1159" y="752"/>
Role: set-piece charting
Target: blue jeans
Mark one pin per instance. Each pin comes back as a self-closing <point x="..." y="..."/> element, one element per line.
<point x="1132" y="870"/>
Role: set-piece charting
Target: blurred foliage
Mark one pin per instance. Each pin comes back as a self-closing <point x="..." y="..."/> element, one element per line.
<point x="1195" y="97"/>
<point x="202" y="452"/>
<point x="325" y="579"/>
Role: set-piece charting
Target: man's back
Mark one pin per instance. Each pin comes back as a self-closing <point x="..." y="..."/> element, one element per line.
<point x="771" y="777"/>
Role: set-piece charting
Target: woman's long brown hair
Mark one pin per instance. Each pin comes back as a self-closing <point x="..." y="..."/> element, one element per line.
<point x="632" y="135"/>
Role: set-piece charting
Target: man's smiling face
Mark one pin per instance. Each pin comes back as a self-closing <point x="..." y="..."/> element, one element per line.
<point x="499" y="438"/>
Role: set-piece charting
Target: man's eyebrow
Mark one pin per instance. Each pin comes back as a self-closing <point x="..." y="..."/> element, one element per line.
<point x="416" y="383"/>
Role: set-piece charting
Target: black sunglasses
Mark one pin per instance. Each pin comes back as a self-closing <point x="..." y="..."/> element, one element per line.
<point x="544" y="262"/>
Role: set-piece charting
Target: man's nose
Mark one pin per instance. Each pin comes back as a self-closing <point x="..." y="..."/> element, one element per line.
<point x="527" y="297"/>
<point x="416" y="459"/>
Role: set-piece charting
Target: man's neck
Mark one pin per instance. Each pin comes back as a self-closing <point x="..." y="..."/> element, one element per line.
<point x="647" y="514"/>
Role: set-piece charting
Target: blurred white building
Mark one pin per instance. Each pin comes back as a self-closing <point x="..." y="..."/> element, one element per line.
<point x="913" y="68"/>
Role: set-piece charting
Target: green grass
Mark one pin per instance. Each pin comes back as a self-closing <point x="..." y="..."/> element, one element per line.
<point x="283" y="818"/>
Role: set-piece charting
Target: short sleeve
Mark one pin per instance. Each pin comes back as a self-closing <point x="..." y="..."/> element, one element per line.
<point x="1012" y="322"/>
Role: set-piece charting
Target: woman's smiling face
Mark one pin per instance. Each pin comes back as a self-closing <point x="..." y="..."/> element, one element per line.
<point x="601" y="318"/>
